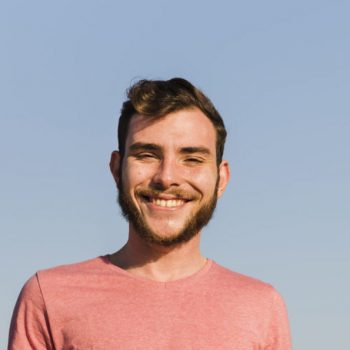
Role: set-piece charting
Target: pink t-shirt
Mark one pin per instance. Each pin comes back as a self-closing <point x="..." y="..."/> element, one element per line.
<point x="96" y="305"/>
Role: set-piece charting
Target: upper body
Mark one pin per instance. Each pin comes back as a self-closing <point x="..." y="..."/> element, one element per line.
<point x="169" y="172"/>
<point x="97" y="305"/>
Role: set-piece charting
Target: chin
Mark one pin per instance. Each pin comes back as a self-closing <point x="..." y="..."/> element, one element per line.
<point x="176" y="234"/>
<point x="166" y="240"/>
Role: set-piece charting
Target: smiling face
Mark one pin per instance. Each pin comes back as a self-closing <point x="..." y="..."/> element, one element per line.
<point x="169" y="180"/>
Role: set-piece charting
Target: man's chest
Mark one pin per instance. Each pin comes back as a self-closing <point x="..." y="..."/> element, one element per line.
<point x="158" y="322"/>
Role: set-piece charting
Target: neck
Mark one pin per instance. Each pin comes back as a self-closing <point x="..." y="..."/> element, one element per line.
<point x="157" y="262"/>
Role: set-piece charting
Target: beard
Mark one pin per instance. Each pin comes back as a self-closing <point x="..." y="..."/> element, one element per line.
<point x="191" y="228"/>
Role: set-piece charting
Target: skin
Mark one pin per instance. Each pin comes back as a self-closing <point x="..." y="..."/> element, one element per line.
<point x="169" y="173"/>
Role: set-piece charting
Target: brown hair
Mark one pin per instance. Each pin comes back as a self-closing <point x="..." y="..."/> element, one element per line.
<point x="157" y="98"/>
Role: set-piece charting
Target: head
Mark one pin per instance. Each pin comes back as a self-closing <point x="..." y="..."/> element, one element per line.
<point x="157" y="98"/>
<point x="169" y="167"/>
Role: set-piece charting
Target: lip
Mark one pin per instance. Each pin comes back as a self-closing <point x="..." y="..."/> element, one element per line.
<point x="154" y="206"/>
<point x="149" y="196"/>
<point x="165" y="202"/>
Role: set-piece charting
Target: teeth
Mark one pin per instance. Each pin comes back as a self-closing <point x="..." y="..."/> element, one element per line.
<point x="168" y="203"/>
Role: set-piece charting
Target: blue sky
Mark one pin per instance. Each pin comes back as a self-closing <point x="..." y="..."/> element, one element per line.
<point x="278" y="72"/>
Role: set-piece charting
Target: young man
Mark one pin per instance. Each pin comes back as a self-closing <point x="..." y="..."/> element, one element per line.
<point x="158" y="291"/>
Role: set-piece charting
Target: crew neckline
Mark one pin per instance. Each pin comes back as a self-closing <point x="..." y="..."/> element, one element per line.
<point x="188" y="279"/>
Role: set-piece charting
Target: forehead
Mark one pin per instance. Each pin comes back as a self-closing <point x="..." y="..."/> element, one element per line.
<point x="189" y="127"/>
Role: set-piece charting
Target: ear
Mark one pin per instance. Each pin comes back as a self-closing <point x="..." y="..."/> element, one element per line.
<point x="224" y="177"/>
<point x="115" y="165"/>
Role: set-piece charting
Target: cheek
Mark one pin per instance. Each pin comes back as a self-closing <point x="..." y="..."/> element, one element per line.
<point x="203" y="180"/>
<point x="136" y="175"/>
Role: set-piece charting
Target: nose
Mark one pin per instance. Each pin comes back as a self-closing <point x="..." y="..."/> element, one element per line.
<point x="167" y="174"/>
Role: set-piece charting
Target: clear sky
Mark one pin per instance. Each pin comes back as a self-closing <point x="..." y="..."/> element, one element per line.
<point x="277" y="71"/>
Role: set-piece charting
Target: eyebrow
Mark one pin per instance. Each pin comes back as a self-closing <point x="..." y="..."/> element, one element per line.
<point x="191" y="150"/>
<point x="140" y="146"/>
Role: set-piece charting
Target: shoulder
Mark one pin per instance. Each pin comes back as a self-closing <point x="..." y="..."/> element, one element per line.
<point x="242" y="286"/>
<point x="86" y="267"/>
<point x="30" y="294"/>
<point x="258" y="303"/>
<point x="72" y="274"/>
<point x="233" y="278"/>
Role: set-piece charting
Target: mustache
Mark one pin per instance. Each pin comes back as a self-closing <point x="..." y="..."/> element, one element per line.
<point x="176" y="192"/>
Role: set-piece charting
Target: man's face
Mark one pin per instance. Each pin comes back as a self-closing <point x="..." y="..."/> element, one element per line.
<point x="169" y="180"/>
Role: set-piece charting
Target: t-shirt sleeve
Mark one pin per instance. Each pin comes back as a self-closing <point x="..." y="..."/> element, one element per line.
<point x="29" y="326"/>
<point x="279" y="331"/>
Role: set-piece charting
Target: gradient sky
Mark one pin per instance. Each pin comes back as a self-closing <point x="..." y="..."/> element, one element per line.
<point x="277" y="71"/>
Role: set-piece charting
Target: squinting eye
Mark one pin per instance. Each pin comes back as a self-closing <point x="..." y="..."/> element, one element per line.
<point x="145" y="155"/>
<point x="194" y="160"/>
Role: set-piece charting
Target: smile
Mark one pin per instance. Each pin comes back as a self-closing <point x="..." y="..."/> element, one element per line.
<point x="169" y="203"/>
<point x="164" y="200"/>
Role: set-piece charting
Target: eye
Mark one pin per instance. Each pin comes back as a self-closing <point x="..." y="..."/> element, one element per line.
<point x="194" y="160"/>
<point x="145" y="155"/>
